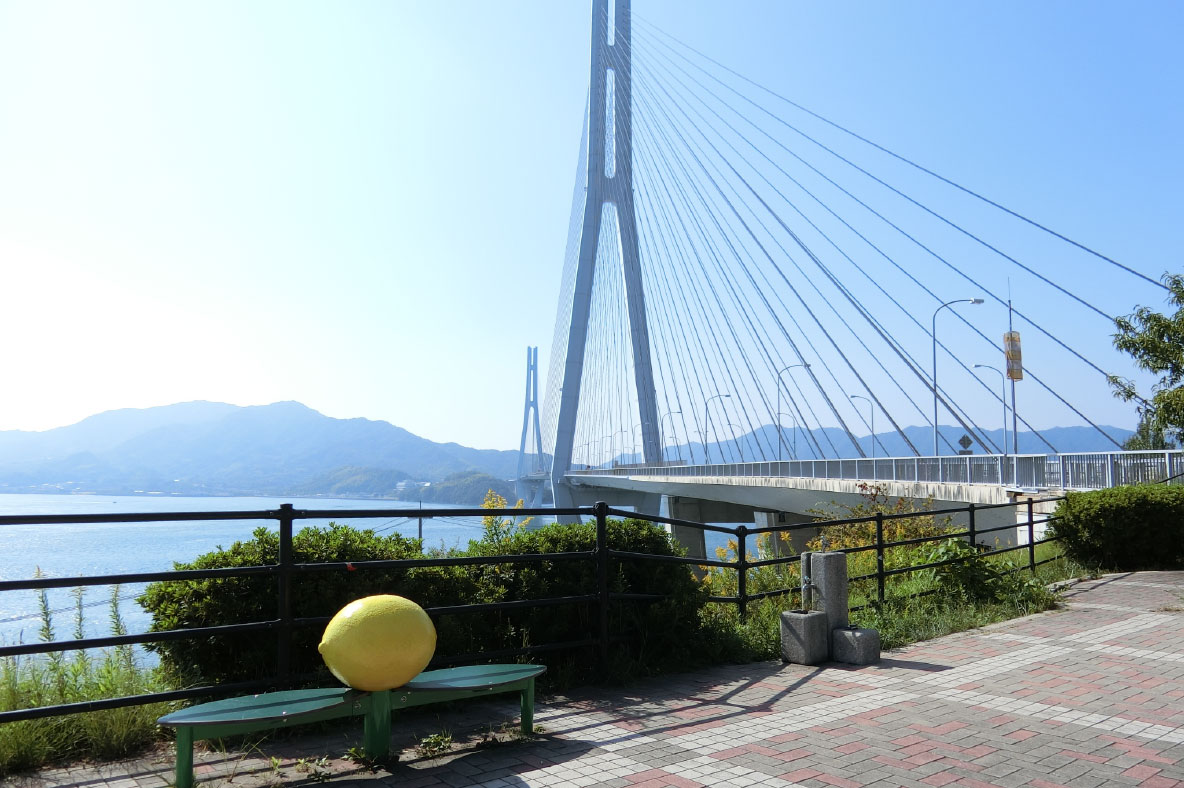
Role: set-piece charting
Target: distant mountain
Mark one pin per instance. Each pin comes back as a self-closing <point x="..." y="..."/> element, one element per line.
<point x="210" y="448"/>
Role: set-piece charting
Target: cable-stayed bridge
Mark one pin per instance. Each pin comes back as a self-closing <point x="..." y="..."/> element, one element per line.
<point x="752" y="292"/>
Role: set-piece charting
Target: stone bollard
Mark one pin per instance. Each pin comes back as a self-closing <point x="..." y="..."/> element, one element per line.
<point x="828" y="575"/>
<point x="855" y="646"/>
<point x="804" y="637"/>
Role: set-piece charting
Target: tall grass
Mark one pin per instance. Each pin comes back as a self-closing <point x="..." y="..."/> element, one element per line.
<point x="73" y="677"/>
<point x="978" y="590"/>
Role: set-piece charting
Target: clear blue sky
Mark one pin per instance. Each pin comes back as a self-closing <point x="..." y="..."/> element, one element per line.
<point x="363" y="206"/>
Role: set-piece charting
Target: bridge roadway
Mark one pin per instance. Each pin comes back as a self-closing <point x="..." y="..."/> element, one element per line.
<point x="773" y="493"/>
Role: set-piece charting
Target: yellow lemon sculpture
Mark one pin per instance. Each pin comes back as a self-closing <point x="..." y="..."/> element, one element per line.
<point x="378" y="642"/>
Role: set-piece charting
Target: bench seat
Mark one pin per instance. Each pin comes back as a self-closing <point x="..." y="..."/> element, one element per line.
<point x="235" y="716"/>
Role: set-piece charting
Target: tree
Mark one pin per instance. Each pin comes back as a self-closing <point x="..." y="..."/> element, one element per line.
<point x="1146" y="435"/>
<point x="1156" y="343"/>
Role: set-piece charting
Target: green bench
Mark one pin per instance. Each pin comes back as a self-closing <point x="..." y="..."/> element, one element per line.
<point x="269" y="710"/>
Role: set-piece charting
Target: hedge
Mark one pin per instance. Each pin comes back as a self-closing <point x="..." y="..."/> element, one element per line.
<point x="651" y="636"/>
<point x="1124" y="528"/>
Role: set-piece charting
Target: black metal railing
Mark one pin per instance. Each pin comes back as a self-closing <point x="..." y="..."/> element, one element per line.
<point x="288" y="572"/>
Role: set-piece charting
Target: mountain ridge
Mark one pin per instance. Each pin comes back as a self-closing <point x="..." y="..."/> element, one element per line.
<point x="206" y="448"/>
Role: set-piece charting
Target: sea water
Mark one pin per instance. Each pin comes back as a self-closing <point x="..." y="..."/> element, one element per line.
<point x="75" y="550"/>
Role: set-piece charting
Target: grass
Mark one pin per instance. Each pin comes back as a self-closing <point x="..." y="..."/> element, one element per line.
<point x="73" y="677"/>
<point x="918" y="605"/>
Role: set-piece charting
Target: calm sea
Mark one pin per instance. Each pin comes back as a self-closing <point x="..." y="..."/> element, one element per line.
<point x="114" y="548"/>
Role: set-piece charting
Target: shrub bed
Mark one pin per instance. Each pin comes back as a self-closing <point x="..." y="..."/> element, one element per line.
<point x="1124" y="528"/>
<point x="651" y="634"/>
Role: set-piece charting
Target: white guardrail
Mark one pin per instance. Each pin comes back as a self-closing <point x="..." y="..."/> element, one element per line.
<point x="1079" y="471"/>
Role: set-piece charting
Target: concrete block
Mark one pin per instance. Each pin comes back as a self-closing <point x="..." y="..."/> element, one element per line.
<point x="805" y="637"/>
<point x="828" y="572"/>
<point x="855" y="646"/>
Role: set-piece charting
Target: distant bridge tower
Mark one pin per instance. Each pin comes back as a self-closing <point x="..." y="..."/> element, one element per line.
<point x="532" y="468"/>
<point x="609" y="158"/>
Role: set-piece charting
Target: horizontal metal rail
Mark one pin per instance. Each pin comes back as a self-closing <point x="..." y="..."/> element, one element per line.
<point x="1070" y="471"/>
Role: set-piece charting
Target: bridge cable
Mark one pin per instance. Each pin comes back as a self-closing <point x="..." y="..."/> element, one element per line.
<point x="809" y="370"/>
<point x="736" y="299"/>
<point x="910" y="237"/>
<point x="843" y="289"/>
<point x="717" y="258"/>
<point x="909" y="162"/>
<point x="1031" y="322"/>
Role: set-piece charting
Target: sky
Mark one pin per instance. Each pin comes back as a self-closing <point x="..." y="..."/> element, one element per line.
<point x="363" y="206"/>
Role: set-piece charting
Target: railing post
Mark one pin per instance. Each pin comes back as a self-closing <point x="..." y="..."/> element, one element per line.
<point x="1031" y="538"/>
<point x="880" y="555"/>
<point x="742" y="570"/>
<point x="601" y="510"/>
<point x="284" y="634"/>
<point x="970" y="518"/>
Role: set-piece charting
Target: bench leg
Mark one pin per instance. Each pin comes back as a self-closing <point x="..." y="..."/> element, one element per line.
<point x="184" y="772"/>
<point x="377" y="736"/>
<point x="528" y="708"/>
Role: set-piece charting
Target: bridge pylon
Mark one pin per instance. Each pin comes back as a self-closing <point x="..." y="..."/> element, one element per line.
<point x="532" y="470"/>
<point x="609" y="157"/>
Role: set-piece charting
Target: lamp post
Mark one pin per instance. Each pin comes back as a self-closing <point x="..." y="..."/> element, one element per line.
<point x="633" y="448"/>
<point x="621" y="431"/>
<point x="707" y="422"/>
<point x="661" y="435"/>
<point x="871" y="409"/>
<point x="1002" y="397"/>
<point x="780" y="437"/>
<point x="934" y="334"/>
<point x="600" y="448"/>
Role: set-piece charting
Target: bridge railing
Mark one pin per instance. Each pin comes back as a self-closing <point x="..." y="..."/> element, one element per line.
<point x="1076" y="471"/>
<point x="287" y="573"/>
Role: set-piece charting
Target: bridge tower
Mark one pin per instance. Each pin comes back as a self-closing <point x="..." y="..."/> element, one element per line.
<point x="532" y="472"/>
<point x="609" y="157"/>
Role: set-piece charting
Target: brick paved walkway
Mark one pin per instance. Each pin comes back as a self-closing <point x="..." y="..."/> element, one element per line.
<point x="1089" y="695"/>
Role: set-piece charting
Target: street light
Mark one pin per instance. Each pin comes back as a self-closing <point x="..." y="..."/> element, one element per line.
<point x="634" y="446"/>
<point x="1003" y="397"/>
<point x="621" y="431"/>
<point x="662" y="438"/>
<point x="934" y="334"/>
<point x="600" y="448"/>
<point x="707" y="422"/>
<point x="871" y="409"/>
<point x="780" y="437"/>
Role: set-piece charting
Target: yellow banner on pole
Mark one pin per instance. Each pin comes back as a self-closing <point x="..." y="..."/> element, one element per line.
<point x="1011" y="350"/>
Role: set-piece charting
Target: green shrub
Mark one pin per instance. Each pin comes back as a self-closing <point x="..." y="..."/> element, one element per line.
<point x="976" y="578"/>
<point x="236" y="600"/>
<point x="1124" y="528"/>
<point x="652" y="634"/>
